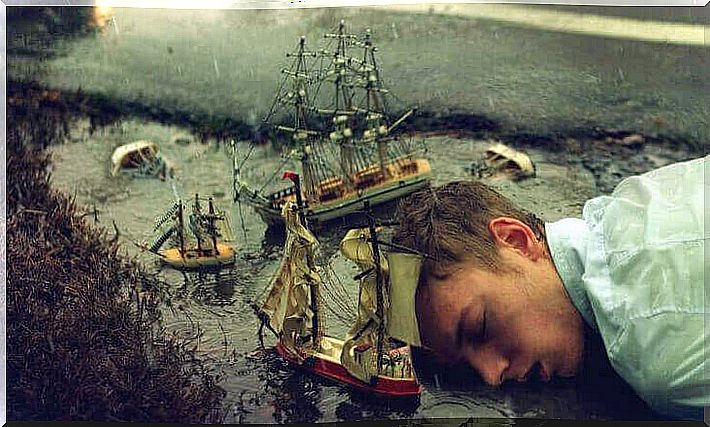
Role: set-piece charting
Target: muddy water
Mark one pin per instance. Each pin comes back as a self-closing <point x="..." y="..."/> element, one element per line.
<point x="212" y="309"/>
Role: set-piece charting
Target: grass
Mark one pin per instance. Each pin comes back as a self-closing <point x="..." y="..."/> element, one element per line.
<point x="84" y="340"/>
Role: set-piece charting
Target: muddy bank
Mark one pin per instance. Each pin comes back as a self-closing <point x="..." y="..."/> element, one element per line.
<point x="609" y="154"/>
<point x="84" y="337"/>
<point x="103" y="110"/>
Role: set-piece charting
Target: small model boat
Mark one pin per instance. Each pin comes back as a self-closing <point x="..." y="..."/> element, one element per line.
<point x="501" y="160"/>
<point x="345" y="143"/>
<point x="374" y="355"/>
<point x="140" y="158"/>
<point x="205" y="251"/>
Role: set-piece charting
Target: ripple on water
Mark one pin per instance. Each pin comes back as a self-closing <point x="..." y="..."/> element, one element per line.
<point x="448" y="404"/>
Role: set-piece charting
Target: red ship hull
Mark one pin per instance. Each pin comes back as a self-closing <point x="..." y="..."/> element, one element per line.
<point x="383" y="386"/>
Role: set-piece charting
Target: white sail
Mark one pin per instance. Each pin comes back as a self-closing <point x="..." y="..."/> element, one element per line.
<point x="401" y="317"/>
<point x="290" y="289"/>
<point x="355" y="246"/>
<point x="363" y="334"/>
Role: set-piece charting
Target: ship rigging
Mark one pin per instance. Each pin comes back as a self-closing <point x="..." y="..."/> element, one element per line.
<point x="338" y="124"/>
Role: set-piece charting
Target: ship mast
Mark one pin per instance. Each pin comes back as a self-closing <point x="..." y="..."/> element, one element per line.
<point x="380" y="310"/>
<point x="181" y="230"/>
<point x="343" y="108"/>
<point x="195" y="221"/>
<point x="375" y="105"/>
<point x="298" y="99"/>
<point x="212" y="228"/>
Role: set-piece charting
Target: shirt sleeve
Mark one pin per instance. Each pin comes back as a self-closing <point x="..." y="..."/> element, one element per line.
<point x="649" y="302"/>
<point x="663" y="357"/>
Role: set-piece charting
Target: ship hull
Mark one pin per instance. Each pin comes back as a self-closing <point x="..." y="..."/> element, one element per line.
<point x="324" y="213"/>
<point x="329" y="367"/>
<point x="192" y="260"/>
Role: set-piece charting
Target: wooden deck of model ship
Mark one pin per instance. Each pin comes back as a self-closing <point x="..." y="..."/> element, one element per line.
<point x="336" y="199"/>
<point x="204" y="249"/>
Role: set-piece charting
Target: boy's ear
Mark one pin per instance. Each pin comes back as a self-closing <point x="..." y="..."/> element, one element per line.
<point x="516" y="235"/>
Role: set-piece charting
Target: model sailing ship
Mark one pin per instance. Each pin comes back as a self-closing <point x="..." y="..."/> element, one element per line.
<point x="353" y="156"/>
<point x="196" y="243"/>
<point x="373" y="355"/>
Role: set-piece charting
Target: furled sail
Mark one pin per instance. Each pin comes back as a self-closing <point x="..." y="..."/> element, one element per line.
<point x="161" y="239"/>
<point x="288" y="300"/>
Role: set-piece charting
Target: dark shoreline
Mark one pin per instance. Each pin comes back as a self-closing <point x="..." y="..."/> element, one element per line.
<point x="103" y="110"/>
<point x="601" y="151"/>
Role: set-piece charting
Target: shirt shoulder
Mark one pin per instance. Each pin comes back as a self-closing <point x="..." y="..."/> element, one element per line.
<point x="650" y="234"/>
<point x="645" y="281"/>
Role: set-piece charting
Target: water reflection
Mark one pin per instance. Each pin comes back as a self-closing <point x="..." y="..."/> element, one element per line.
<point x="271" y="244"/>
<point x="585" y="396"/>
<point x="358" y="406"/>
<point x="211" y="287"/>
<point x="293" y="396"/>
<point x="297" y="400"/>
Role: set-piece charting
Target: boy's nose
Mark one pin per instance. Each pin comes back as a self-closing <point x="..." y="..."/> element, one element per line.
<point x="489" y="364"/>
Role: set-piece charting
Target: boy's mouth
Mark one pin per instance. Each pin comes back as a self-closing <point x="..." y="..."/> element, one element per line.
<point x="536" y="372"/>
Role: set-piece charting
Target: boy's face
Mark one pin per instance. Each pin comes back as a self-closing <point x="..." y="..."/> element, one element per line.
<point x="507" y="326"/>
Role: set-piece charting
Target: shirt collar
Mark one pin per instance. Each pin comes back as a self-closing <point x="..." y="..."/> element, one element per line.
<point x="567" y="240"/>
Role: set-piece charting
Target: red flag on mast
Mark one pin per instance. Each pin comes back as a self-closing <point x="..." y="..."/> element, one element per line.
<point x="293" y="176"/>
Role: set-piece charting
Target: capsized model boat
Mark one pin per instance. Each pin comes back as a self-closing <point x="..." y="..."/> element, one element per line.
<point x="140" y="158"/>
<point x="374" y="356"/>
<point x="195" y="244"/>
<point x="499" y="159"/>
<point x="347" y="149"/>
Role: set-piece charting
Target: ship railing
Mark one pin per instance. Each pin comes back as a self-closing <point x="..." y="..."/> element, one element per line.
<point x="276" y="200"/>
<point x="368" y="177"/>
<point x="331" y="189"/>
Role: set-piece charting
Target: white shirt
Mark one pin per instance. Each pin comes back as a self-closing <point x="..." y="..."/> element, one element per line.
<point x="634" y="269"/>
